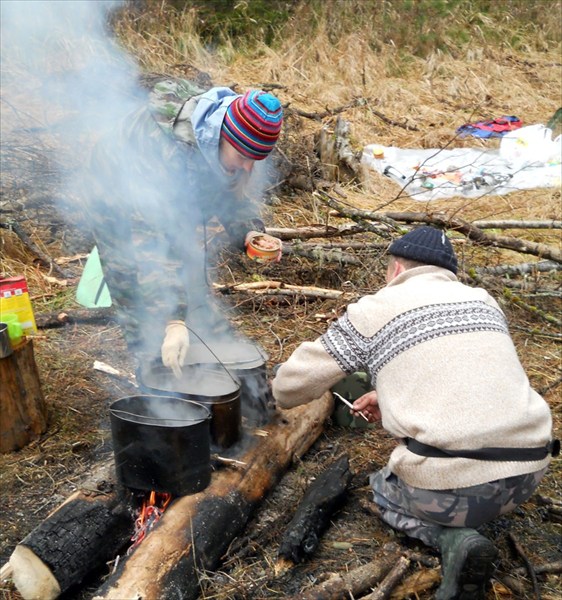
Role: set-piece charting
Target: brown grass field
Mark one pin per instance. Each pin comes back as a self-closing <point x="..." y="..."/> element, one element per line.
<point x="424" y="97"/>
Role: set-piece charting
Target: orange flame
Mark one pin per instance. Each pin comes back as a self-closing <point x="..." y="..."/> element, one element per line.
<point x="149" y="514"/>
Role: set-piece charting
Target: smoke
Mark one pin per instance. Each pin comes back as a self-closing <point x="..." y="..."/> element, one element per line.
<point x="58" y="61"/>
<point x="63" y="71"/>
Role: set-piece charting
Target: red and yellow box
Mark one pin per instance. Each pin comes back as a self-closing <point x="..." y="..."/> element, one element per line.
<point x="14" y="299"/>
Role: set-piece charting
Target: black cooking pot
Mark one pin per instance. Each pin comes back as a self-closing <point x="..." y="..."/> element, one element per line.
<point x="161" y="443"/>
<point x="213" y="387"/>
<point x="247" y="362"/>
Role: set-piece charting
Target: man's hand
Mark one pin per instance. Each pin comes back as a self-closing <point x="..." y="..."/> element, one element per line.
<point x="175" y="346"/>
<point x="368" y="404"/>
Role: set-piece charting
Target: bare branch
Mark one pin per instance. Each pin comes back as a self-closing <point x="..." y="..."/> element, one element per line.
<point x="44" y="260"/>
<point x="510" y="224"/>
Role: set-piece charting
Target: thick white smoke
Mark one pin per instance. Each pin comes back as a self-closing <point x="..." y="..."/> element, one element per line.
<point x="59" y="54"/>
<point x="63" y="71"/>
<point x="64" y="74"/>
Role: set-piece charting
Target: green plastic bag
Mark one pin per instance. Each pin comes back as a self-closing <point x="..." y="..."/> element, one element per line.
<point x="92" y="290"/>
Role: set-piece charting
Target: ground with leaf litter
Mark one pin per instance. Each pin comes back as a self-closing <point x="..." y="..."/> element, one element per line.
<point x="38" y="478"/>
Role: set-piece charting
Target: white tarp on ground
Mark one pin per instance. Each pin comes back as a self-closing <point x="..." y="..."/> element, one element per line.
<point x="527" y="158"/>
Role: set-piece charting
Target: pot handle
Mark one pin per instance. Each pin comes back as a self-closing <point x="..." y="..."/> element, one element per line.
<point x="209" y="349"/>
<point x="117" y="411"/>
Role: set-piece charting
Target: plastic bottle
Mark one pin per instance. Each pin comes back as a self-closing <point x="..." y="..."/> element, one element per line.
<point x="15" y="331"/>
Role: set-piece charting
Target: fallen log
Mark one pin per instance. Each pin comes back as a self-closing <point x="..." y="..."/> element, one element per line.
<point x="543" y="266"/>
<point x="195" y="530"/>
<point x="473" y="233"/>
<point x="272" y="288"/>
<point x="366" y="246"/>
<point x="329" y="231"/>
<point x="313" y="231"/>
<point x="355" y="582"/>
<point x="479" y="236"/>
<point x="324" y="496"/>
<point x="512" y="224"/>
<point x="329" y="112"/>
<point x="334" y="255"/>
<point x="92" y="526"/>
<point x="60" y="319"/>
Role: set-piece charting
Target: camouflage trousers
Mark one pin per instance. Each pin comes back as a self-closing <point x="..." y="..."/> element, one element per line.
<point x="422" y="514"/>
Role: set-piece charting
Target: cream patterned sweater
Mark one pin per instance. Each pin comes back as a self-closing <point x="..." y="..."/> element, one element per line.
<point x="445" y="370"/>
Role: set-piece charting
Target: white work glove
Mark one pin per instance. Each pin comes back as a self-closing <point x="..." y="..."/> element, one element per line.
<point x="175" y="346"/>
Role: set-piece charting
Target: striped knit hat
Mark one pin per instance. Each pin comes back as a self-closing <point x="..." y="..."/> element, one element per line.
<point x="252" y="124"/>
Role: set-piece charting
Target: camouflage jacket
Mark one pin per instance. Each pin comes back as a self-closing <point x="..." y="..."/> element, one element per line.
<point x="151" y="183"/>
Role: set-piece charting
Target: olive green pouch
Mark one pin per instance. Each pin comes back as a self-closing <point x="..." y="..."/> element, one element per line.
<point x="351" y="387"/>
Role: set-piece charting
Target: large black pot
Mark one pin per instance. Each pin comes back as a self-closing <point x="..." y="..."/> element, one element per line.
<point x="161" y="443"/>
<point x="213" y="387"/>
<point x="247" y="362"/>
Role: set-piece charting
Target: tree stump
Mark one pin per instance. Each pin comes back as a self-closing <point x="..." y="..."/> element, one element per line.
<point x="81" y="536"/>
<point x="22" y="405"/>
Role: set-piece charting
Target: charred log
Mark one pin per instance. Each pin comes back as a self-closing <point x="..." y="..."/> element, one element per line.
<point x="80" y="537"/>
<point x="325" y="495"/>
<point x="195" y="530"/>
<point x="60" y="319"/>
<point x="88" y="530"/>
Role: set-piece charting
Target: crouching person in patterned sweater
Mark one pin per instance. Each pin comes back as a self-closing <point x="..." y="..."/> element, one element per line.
<point x="474" y="438"/>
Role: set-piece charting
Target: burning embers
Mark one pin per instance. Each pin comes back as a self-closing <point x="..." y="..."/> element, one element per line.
<point x="152" y="508"/>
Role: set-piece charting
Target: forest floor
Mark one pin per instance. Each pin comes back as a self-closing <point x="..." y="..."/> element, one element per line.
<point x="36" y="479"/>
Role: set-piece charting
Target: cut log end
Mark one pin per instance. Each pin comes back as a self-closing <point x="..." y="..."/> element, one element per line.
<point x="282" y="565"/>
<point x="31" y="576"/>
<point x="6" y="573"/>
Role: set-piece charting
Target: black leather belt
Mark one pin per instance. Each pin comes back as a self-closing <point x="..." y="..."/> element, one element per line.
<point x="503" y="454"/>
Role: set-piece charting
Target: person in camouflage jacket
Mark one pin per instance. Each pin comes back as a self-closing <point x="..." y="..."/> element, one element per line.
<point x="153" y="181"/>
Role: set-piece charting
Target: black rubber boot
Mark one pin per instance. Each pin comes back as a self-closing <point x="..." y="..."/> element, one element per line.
<point x="467" y="563"/>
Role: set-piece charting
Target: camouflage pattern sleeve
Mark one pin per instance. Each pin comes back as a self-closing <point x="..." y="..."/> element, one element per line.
<point x="238" y="208"/>
<point x="128" y="213"/>
<point x="166" y="103"/>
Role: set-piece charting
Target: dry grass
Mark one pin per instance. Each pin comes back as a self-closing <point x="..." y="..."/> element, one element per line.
<point x="436" y="95"/>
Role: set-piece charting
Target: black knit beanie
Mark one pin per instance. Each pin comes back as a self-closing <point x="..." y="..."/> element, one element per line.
<point x="426" y="245"/>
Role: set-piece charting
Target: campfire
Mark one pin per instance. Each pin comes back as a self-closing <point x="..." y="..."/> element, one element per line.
<point x="150" y="512"/>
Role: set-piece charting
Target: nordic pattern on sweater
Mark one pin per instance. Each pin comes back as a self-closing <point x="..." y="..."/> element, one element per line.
<point x="353" y="351"/>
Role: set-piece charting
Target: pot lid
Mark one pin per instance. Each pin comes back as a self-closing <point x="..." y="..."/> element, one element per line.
<point x="161" y="411"/>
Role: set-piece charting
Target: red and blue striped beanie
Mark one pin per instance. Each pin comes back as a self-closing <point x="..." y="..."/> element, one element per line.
<point x="252" y="124"/>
